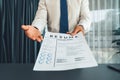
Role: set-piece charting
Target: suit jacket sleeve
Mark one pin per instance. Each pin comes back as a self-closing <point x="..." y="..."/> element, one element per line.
<point x="85" y="20"/>
<point x="40" y="20"/>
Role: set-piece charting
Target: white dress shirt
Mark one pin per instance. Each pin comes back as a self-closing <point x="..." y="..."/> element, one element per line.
<point x="48" y="14"/>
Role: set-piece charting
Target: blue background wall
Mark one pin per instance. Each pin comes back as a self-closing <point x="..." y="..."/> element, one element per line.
<point x="15" y="47"/>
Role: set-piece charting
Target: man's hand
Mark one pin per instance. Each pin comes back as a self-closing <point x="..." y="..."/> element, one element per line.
<point x="32" y="33"/>
<point x="76" y="30"/>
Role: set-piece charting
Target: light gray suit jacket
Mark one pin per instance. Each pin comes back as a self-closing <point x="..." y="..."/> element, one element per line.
<point x="48" y="13"/>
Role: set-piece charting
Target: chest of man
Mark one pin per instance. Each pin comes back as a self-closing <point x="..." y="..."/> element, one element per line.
<point x="53" y="6"/>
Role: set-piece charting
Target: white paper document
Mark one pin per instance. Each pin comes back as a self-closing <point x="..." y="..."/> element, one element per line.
<point x="63" y="52"/>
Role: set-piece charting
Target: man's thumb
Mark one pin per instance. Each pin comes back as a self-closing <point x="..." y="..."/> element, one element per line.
<point x="25" y="28"/>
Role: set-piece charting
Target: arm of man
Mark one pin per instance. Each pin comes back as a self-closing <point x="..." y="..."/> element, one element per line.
<point x="34" y="30"/>
<point x="84" y="23"/>
<point x="40" y="20"/>
<point x="85" y="18"/>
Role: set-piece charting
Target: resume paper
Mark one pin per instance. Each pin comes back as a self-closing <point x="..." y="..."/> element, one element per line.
<point x="60" y="52"/>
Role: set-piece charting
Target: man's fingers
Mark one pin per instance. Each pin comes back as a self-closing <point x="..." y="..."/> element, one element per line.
<point x="76" y="30"/>
<point x="39" y="38"/>
<point x="68" y="32"/>
<point x="71" y="33"/>
<point x="74" y="33"/>
<point x="25" y="28"/>
<point x="31" y="37"/>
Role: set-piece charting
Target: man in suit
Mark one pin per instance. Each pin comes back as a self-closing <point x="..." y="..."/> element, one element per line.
<point x="49" y="13"/>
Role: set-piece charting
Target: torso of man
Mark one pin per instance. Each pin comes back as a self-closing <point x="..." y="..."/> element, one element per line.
<point x="53" y="7"/>
<point x="74" y="14"/>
